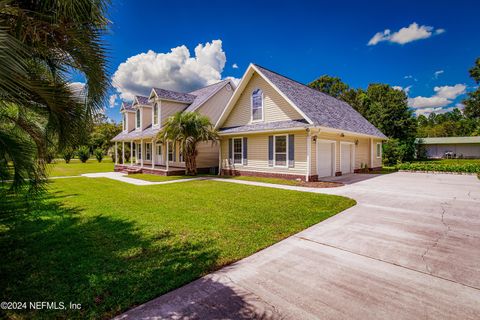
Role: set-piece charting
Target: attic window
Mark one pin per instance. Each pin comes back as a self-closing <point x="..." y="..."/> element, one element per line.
<point x="137" y="114"/>
<point x="257" y="105"/>
<point x="155" y="114"/>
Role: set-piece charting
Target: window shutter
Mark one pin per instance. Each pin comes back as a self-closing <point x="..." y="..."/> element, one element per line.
<point x="291" y="150"/>
<point x="245" y="157"/>
<point x="230" y="151"/>
<point x="270" y="151"/>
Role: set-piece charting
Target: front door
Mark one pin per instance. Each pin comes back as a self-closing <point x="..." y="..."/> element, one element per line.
<point x="325" y="163"/>
<point x="346" y="158"/>
<point x="159" y="154"/>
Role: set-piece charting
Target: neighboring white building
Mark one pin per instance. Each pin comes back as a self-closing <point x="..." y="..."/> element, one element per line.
<point x="455" y="147"/>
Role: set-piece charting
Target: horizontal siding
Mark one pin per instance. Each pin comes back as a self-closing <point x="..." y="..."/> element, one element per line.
<point x="276" y="108"/>
<point x="214" y="107"/>
<point x="257" y="151"/>
<point x="168" y="108"/>
<point x="207" y="155"/>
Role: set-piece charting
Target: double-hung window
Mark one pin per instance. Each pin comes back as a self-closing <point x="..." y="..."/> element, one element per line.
<point x="124" y="121"/>
<point x="280" y="150"/>
<point x="379" y="150"/>
<point x="155" y="114"/>
<point x="170" y="151"/>
<point x="137" y="118"/>
<point x="237" y="150"/>
<point x="257" y="105"/>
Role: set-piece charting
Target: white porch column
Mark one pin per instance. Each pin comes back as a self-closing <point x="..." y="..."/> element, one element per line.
<point x="131" y="153"/>
<point x="309" y="151"/>
<point x="142" y="152"/>
<point x="220" y="157"/>
<point x="116" y="154"/>
<point x="153" y="154"/>
<point x="123" y="152"/>
<point x="166" y="156"/>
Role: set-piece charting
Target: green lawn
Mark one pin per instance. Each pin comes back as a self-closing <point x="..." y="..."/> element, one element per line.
<point x="266" y="180"/>
<point x="59" y="168"/>
<point x="111" y="246"/>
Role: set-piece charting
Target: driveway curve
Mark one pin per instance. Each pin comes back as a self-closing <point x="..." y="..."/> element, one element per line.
<point x="409" y="249"/>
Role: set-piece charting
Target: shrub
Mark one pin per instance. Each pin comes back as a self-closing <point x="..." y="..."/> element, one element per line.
<point x="67" y="154"/>
<point x="397" y="151"/>
<point x="98" y="154"/>
<point x="83" y="153"/>
<point x="443" y="167"/>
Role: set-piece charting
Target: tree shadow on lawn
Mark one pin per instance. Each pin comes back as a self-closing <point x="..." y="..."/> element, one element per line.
<point x="53" y="253"/>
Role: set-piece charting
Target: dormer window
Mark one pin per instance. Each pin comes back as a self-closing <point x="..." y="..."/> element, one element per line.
<point x="124" y="121"/>
<point x="257" y="105"/>
<point x="155" y="114"/>
<point x="137" y="118"/>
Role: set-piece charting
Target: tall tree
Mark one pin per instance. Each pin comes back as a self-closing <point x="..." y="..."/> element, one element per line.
<point x="188" y="129"/>
<point x="472" y="103"/>
<point x="42" y="42"/>
<point x="332" y="86"/>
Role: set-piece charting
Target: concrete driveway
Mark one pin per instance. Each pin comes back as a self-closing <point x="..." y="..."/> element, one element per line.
<point x="409" y="249"/>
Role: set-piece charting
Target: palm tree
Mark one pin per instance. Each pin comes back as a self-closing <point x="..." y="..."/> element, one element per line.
<point x="188" y="129"/>
<point x="42" y="43"/>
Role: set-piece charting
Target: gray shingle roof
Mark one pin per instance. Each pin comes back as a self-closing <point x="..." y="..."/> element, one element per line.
<point x="278" y="125"/>
<point x="126" y="106"/>
<point x="175" y="96"/>
<point x="202" y="94"/>
<point x="321" y="108"/>
<point x="142" y="100"/>
<point x="149" y="132"/>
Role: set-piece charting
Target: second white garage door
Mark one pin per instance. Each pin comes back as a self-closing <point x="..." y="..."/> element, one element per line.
<point x="346" y="158"/>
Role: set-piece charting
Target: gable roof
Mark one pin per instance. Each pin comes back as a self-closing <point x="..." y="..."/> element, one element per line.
<point x="448" y="140"/>
<point x="203" y="94"/>
<point x="173" y="95"/>
<point x="141" y="100"/>
<point x="322" y="109"/>
<point x="126" y="106"/>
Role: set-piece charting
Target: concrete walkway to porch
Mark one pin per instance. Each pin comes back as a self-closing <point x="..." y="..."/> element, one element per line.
<point x="124" y="178"/>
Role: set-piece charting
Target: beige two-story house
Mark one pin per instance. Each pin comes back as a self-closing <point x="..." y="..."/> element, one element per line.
<point x="143" y="119"/>
<point x="275" y="126"/>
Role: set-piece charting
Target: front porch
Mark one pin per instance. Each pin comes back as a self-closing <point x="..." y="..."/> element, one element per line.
<point x="155" y="169"/>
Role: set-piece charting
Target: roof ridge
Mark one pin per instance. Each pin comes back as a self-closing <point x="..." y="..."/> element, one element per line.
<point x="306" y="86"/>
<point x="210" y="85"/>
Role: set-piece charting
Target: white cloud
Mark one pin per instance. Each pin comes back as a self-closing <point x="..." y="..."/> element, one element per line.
<point x="427" y="111"/>
<point x="410" y="77"/>
<point x="405" y="35"/>
<point x="236" y="81"/>
<point x="443" y="96"/>
<point x="112" y="101"/>
<point x="450" y="92"/>
<point x="235" y="66"/>
<point x="174" y="70"/>
<point x="438" y="73"/>
<point x="406" y="89"/>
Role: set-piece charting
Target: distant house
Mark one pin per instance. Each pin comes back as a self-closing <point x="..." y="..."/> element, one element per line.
<point x="274" y="126"/>
<point x="451" y="147"/>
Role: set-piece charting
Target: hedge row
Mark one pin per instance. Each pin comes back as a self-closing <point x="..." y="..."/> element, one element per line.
<point x="428" y="166"/>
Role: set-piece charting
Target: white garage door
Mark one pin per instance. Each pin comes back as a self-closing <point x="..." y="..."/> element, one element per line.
<point x="325" y="159"/>
<point x="346" y="158"/>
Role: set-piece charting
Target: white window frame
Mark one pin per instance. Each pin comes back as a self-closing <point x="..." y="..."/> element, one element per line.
<point x="139" y="151"/>
<point x="148" y="151"/>
<point x="251" y="106"/>
<point x="233" y="150"/>
<point x="138" y="117"/>
<point x="124" y="121"/>
<point x="275" y="151"/>
<point x="378" y="151"/>
<point x="155" y="120"/>
<point x="180" y="154"/>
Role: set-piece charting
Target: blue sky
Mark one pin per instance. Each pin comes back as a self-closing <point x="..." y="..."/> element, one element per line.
<point x="300" y="39"/>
